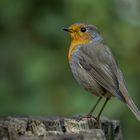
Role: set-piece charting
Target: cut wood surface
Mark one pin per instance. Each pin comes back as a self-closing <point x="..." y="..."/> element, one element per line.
<point x="58" y="128"/>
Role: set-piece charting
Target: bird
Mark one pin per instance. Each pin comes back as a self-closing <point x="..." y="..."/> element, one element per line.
<point x="94" y="67"/>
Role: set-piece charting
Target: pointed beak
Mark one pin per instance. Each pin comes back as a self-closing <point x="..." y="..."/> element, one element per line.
<point x="67" y="30"/>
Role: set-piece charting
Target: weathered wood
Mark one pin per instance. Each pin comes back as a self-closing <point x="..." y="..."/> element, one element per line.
<point x="58" y="128"/>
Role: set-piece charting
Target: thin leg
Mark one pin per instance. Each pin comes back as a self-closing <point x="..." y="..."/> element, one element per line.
<point x="98" y="117"/>
<point x="92" y="110"/>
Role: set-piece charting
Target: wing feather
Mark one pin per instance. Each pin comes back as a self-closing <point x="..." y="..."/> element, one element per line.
<point x="99" y="62"/>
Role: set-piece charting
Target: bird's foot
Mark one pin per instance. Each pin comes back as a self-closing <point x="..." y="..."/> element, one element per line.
<point x="86" y="117"/>
<point x="90" y="118"/>
<point x="97" y="123"/>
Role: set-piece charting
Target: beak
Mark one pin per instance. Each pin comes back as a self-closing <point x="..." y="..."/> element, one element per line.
<point x="67" y="30"/>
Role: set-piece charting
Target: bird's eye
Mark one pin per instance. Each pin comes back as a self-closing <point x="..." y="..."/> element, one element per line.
<point x="83" y="29"/>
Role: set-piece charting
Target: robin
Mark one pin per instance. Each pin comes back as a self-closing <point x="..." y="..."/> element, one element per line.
<point x="94" y="67"/>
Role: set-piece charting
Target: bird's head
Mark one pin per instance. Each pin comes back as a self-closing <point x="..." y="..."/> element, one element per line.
<point x="82" y="32"/>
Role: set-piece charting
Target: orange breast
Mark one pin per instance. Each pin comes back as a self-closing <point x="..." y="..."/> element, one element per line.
<point x="74" y="45"/>
<point x="72" y="49"/>
<point x="78" y="38"/>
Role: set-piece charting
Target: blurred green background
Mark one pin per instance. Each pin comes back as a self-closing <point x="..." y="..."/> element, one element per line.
<point x="35" y="78"/>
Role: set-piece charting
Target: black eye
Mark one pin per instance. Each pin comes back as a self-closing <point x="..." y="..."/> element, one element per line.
<point x="83" y="29"/>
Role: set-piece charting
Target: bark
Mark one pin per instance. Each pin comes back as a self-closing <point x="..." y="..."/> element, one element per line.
<point x="58" y="128"/>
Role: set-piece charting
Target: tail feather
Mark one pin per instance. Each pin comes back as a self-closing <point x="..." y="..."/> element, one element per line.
<point x="128" y="100"/>
<point x="133" y="108"/>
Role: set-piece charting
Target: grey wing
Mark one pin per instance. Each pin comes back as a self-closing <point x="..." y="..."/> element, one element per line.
<point x="99" y="62"/>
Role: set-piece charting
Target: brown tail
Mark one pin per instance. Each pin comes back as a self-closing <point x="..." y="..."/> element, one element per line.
<point x="129" y="101"/>
<point x="133" y="108"/>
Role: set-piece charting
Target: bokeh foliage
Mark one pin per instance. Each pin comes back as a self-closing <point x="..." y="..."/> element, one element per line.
<point x="35" y="78"/>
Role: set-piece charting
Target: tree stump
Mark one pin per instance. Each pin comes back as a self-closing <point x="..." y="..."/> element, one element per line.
<point x="58" y="128"/>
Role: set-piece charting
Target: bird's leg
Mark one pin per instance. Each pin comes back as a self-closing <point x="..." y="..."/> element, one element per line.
<point x="92" y="110"/>
<point x="98" y="117"/>
<point x="98" y="125"/>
